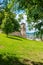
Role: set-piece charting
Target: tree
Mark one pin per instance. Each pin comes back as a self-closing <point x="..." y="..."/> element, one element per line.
<point x="39" y="26"/>
<point x="34" y="11"/>
<point x="33" y="8"/>
<point x="9" y="23"/>
<point x="7" y="26"/>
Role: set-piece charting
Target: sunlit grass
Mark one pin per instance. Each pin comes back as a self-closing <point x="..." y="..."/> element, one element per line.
<point x="21" y="48"/>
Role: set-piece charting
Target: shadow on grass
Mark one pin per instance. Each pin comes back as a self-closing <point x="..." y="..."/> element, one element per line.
<point x="13" y="60"/>
<point x="15" y="38"/>
<point x="20" y="37"/>
<point x="29" y="62"/>
<point x="9" y="60"/>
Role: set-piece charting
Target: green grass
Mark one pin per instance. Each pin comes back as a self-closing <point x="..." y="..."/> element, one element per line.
<point x="20" y="48"/>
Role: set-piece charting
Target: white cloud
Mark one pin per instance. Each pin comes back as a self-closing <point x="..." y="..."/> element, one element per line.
<point x="25" y="21"/>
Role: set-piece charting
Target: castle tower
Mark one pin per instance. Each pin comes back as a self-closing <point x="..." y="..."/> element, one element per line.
<point x="23" y="30"/>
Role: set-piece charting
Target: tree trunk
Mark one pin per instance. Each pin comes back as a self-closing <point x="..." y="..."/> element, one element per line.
<point x="7" y="35"/>
<point x="41" y="36"/>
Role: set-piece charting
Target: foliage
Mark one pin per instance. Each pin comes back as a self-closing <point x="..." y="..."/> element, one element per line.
<point x="8" y="4"/>
<point x="9" y="23"/>
<point x="20" y="17"/>
<point x="39" y="26"/>
<point x="1" y="16"/>
<point x="30" y="27"/>
<point x="33" y="8"/>
<point x="34" y="11"/>
<point x="16" y="25"/>
<point x="7" y="26"/>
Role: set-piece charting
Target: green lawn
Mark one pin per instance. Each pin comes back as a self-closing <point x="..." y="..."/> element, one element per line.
<point x="18" y="51"/>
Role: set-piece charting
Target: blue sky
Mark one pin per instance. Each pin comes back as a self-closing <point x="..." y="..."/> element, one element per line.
<point x="19" y="11"/>
<point x="1" y="1"/>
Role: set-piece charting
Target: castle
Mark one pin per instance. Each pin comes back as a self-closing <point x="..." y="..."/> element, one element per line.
<point x="22" y="32"/>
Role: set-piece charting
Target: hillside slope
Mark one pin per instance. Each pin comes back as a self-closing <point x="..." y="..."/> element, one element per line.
<point x="21" y="48"/>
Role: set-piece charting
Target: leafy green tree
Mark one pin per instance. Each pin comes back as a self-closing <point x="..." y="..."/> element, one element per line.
<point x="39" y="26"/>
<point x="33" y="8"/>
<point x="9" y="23"/>
<point x="34" y="11"/>
<point x="7" y="26"/>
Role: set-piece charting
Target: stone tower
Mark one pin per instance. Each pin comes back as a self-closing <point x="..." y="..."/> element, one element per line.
<point x="23" y="30"/>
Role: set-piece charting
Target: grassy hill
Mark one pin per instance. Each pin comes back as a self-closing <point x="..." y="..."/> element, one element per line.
<point x="18" y="51"/>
